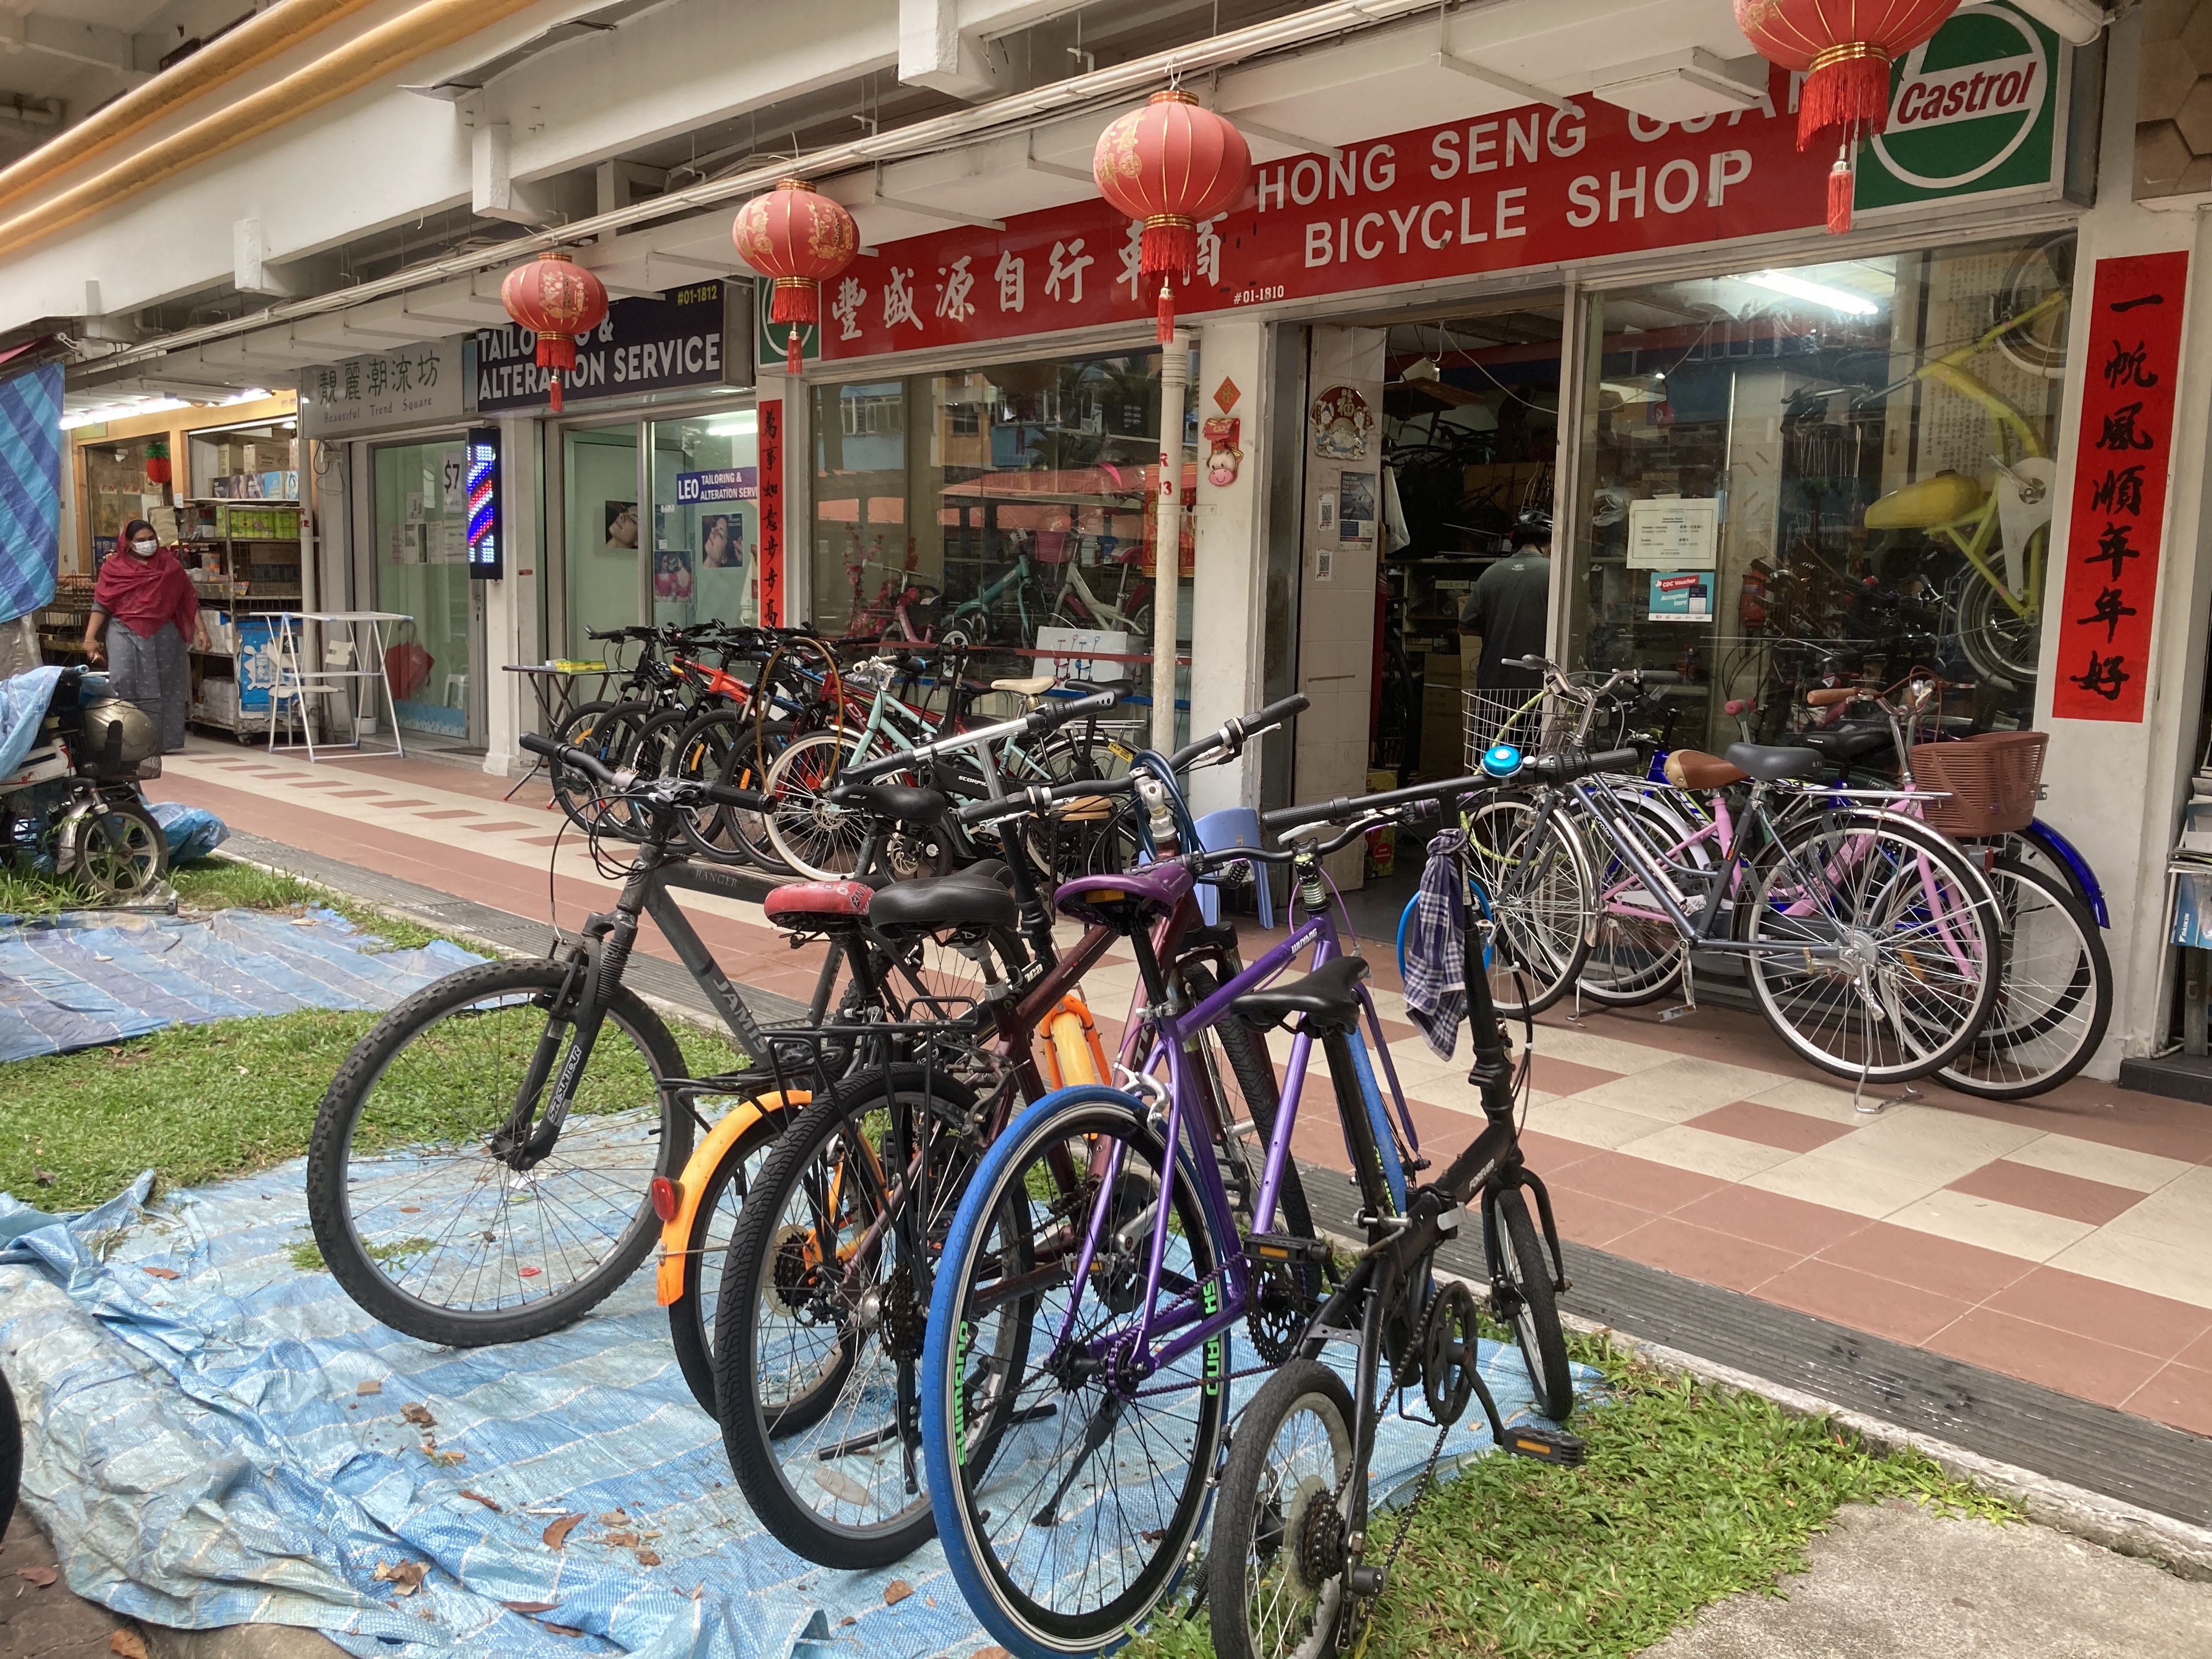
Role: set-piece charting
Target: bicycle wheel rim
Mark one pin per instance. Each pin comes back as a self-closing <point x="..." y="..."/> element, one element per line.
<point x="522" y="1241"/>
<point x="1636" y="952"/>
<point x="1536" y="884"/>
<point x="820" y="842"/>
<point x="2055" y="997"/>
<point x="1307" y="1459"/>
<point x="1920" y="926"/>
<point x="1058" y="1547"/>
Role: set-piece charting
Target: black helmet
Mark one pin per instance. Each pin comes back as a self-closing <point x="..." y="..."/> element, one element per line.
<point x="1534" y="525"/>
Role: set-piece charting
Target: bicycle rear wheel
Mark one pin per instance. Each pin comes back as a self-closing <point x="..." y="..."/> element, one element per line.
<point x="1637" y="952"/>
<point x="435" y="1233"/>
<point x="1275" y="1572"/>
<point x="722" y="746"/>
<point x="606" y="731"/>
<point x="2054" y="999"/>
<point x="1073" y="1525"/>
<point x="820" y="842"/>
<point x="1876" y="947"/>
<point x="1536" y="877"/>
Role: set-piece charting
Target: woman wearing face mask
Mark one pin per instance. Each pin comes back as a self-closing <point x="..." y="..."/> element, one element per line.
<point x="142" y="588"/>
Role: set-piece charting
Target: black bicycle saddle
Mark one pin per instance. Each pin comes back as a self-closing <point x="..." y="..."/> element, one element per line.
<point x="1770" y="764"/>
<point x="1328" y="997"/>
<point x="973" y="897"/>
<point x="900" y="802"/>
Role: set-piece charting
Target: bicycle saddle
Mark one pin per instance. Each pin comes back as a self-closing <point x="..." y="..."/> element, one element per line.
<point x="1770" y="764"/>
<point x="1328" y="997"/>
<point x="973" y="897"/>
<point x="802" y="904"/>
<point x="899" y="801"/>
<point x="1846" y="742"/>
<point x="1035" y="686"/>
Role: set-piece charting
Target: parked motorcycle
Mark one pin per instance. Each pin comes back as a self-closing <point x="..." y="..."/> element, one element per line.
<point x="70" y="806"/>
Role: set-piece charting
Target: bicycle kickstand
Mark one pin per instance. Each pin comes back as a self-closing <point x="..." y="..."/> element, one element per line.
<point x="1688" y="1005"/>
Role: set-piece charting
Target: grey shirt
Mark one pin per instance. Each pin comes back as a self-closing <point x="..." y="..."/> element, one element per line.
<point x="1510" y="609"/>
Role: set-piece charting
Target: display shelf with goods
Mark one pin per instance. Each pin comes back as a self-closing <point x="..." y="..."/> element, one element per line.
<point x="61" y="622"/>
<point x="246" y="561"/>
<point x="259" y="461"/>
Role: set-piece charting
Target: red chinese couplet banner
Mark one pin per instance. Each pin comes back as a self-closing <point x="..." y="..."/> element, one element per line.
<point x="2123" y="455"/>
<point x="771" y="512"/>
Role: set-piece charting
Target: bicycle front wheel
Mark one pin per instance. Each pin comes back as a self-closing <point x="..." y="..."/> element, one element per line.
<point x="1537" y="879"/>
<point x="448" y="1240"/>
<point x="821" y="841"/>
<point x="1637" y="952"/>
<point x="1067" y="1529"/>
<point x="1520" y="1262"/>
<point x="2054" y="999"/>
<point x="1275" y="1573"/>
<point x="1876" y="947"/>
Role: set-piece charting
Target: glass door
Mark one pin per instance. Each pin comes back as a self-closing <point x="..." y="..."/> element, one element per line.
<point x="420" y="521"/>
<point x="606" y="579"/>
<point x="706" y="517"/>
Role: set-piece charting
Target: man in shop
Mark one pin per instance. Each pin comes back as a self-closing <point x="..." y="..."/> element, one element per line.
<point x="1510" y="612"/>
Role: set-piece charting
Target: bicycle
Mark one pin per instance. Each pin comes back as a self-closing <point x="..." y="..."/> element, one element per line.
<point x="482" y="1165"/>
<point x="1131" y="1283"/>
<point x="1870" y="942"/>
<point x="830" y="1263"/>
<point x="11" y="1455"/>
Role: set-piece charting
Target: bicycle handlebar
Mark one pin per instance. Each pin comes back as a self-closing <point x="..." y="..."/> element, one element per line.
<point x="1035" y="723"/>
<point x="1546" y="769"/>
<point x="1236" y="733"/>
<point x="1038" y="798"/>
<point x="568" y="754"/>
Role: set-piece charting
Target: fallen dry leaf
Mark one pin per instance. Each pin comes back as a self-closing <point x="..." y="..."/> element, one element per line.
<point x="491" y="1504"/>
<point x="613" y="1518"/>
<point x="897" y="1591"/>
<point x="405" y="1576"/>
<point x="621" y="1540"/>
<point x="42" y="1576"/>
<point x="418" y="1414"/>
<point x="529" y="1607"/>
<point x="157" y="1273"/>
<point x="368" y="1387"/>
<point x="990" y="1653"/>
<point x="43" y="1177"/>
<point x="557" y="1533"/>
<point x="127" y="1643"/>
<point x="561" y="1630"/>
<point x="849" y="1619"/>
<point x="648" y="1559"/>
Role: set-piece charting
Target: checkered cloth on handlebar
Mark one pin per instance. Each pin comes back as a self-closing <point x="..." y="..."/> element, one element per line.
<point x="1435" y="946"/>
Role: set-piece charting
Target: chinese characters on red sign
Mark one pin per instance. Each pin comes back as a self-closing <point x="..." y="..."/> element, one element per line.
<point x="771" y="512"/>
<point x="2122" y="456"/>
<point x="1531" y="186"/>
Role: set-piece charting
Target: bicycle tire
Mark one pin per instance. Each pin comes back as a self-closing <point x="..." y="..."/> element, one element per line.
<point x="2001" y="645"/>
<point x="1518" y="1257"/>
<point x="1949" y="959"/>
<point x="1540" y="893"/>
<point x="607" y="731"/>
<point x="2055" y="999"/>
<point x="1158" y="1507"/>
<point x="1265" y="1527"/>
<point x="630" y="1148"/>
<point x="720" y="746"/>
<point x="820" y="842"/>
<point x="721" y="1199"/>
<point x="774" y="1294"/>
<point x="11" y="1455"/>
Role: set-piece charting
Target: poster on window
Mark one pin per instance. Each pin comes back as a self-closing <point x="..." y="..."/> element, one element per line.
<point x="1681" y="596"/>
<point x="2122" y="456"/>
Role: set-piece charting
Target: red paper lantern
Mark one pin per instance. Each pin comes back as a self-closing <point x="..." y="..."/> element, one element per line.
<point x="1171" y="164"/>
<point x="802" y="239"/>
<point x="1844" y="49"/>
<point x="556" y="298"/>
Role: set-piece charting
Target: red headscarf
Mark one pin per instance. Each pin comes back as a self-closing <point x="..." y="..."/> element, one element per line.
<point x="143" y="593"/>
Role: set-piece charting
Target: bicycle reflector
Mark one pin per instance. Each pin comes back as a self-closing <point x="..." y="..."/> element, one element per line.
<point x="1501" y="760"/>
<point x="667" y="1197"/>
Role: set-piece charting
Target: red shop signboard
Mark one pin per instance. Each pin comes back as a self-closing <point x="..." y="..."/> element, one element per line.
<point x="2123" y="455"/>
<point x="1532" y="187"/>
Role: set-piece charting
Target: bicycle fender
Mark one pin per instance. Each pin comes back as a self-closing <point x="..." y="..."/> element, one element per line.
<point x="1386" y="1133"/>
<point x="675" y="1235"/>
<point x="1073" y="1052"/>
<point x="2082" y="872"/>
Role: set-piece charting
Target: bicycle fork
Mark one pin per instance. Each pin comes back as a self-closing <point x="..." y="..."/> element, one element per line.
<point x="578" y="1010"/>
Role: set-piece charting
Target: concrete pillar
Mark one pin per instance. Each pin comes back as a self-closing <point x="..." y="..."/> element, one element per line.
<point x="1228" y="589"/>
<point x="1336" y="615"/>
<point x="2117" y="789"/>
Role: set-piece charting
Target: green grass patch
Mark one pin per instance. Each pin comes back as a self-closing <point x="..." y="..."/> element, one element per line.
<point x="197" y="1103"/>
<point x="1690" y="1494"/>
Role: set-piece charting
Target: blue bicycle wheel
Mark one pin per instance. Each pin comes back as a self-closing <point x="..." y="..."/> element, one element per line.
<point x="1406" y="921"/>
<point x="1068" y="1498"/>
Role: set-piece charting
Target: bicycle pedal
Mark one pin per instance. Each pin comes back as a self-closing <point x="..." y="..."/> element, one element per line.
<point x="1545" y="1445"/>
<point x="1282" y="1247"/>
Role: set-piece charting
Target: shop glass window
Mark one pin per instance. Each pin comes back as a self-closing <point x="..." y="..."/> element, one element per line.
<point x="607" y="585"/>
<point x="420" y="516"/>
<point x="706" y="517"/>
<point x="981" y="507"/>
<point x="1796" y="476"/>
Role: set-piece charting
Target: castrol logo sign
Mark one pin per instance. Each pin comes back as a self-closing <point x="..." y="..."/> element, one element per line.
<point x="1972" y="112"/>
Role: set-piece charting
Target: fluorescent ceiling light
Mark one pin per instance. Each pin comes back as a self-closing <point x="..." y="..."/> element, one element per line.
<point x="744" y="423"/>
<point x="1836" y="299"/>
<point x="252" y="394"/>
<point x="120" y="411"/>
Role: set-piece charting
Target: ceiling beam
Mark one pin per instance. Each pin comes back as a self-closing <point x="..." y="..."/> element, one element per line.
<point x="79" y="43"/>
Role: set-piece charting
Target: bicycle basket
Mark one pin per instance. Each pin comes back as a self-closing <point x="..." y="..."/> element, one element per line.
<point x="1993" y="778"/>
<point x="1534" y="723"/>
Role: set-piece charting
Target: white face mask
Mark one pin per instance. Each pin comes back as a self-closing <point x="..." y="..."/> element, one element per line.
<point x="145" y="547"/>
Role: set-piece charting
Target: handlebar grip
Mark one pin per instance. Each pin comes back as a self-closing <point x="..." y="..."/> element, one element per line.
<point x="567" y="754"/>
<point x="869" y="771"/>
<point x="1828" y="697"/>
<point x="1053" y="715"/>
<point x="1659" y="677"/>
<point x="1240" y="729"/>
<point x="1561" y="769"/>
<point x="1350" y="806"/>
<point x="1038" y="797"/>
<point x="748" y="801"/>
<point x="1533" y="665"/>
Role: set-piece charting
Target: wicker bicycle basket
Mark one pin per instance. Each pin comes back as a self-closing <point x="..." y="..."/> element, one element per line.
<point x="1993" y="778"/>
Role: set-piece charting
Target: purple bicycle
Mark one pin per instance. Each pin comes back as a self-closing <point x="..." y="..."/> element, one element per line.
<point x="1068" y="1528"/>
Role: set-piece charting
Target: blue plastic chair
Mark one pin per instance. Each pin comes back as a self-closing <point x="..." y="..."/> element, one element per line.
<point x="1233" y="826"/>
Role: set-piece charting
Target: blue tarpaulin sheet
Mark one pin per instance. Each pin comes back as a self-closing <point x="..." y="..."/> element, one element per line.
<point x="202" y="1453"/>
<point x="88" y="977"/>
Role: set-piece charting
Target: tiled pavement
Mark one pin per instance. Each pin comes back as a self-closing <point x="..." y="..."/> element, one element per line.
<point x="2067" y="1241"/>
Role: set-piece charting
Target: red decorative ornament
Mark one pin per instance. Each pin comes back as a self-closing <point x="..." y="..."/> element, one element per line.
<point x="802" y="239"/>
<point x="557" y="300"/>
<point x="1173" y="164"/>
<point x="1844" y="49"/>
